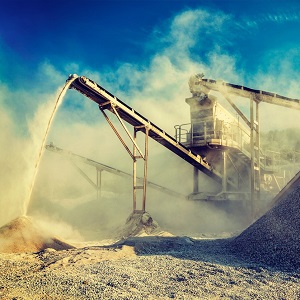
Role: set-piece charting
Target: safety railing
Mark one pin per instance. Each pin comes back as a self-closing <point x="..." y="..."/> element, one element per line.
<point x="200" y="133"/>
<point x="225" y="134"/>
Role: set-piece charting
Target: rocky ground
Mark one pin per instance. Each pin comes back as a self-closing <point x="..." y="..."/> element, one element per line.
<point x="143" y="268"/>
<point x="145" y="262"/>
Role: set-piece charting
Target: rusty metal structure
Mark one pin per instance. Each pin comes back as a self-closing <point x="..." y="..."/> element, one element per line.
<point x="107" y="102"/>
<point x="230" y="144"/>
<point x="214" y="143"/>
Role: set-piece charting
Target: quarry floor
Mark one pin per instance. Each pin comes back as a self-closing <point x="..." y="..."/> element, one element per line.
<point x="150" y="267"/>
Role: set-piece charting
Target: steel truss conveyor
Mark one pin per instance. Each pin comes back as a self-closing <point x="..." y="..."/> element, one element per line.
<point x="75" y="158"/>
<point x="109" y="102"/>
<point x="243" y="91"/>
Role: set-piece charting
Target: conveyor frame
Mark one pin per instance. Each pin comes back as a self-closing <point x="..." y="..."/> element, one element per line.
<point x="107" y="101"/>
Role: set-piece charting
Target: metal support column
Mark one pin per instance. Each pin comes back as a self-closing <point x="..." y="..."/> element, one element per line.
<point x="146" y="153"/>
<point x="136" y="154"/>
<point x="255" y="158"/>
<point x="145" y="170"/>
<point x="99" y="181"/>
<point x="196" y="181"/>
<point x="224" y="178"/>
<point x="257" y="170"/>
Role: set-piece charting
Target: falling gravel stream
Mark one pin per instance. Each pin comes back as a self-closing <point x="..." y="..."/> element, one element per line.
<point x="43" y="142"/>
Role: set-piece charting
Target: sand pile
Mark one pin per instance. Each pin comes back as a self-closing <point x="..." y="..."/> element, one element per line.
<point x="140" y="224"/>
<point x="274" y="239"/>
<point x="23" y="235"/>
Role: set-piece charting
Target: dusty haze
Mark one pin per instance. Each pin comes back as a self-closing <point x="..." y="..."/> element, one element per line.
<point x="157" y="90"/>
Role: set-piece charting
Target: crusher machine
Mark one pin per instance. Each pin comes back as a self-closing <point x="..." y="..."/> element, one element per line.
<point x="230" y="144"/>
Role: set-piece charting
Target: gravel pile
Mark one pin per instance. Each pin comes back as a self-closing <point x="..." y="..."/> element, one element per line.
<point x="139" y="224"/>
<point x="274" y="239"/>
<point x="170" y="268"/>
<point x="24" y="235"/>
<point x="149" y="264"/>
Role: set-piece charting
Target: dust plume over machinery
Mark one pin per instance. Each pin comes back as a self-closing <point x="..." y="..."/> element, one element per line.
<point x="231" y="144"/>
<point x="215" y="142"/>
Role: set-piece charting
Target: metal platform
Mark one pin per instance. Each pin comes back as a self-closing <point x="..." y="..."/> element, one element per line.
<point x="218" y="135"/>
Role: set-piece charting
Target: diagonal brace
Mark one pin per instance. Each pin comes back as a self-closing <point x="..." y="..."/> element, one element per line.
<point x="118" y="134"/>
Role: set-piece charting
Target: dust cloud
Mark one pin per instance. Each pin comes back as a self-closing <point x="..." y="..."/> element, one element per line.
<point x="18" y="159"/>
<point x="44" y="136"/>
<point x="13" y="170"/>
<point x="65" y="200"/>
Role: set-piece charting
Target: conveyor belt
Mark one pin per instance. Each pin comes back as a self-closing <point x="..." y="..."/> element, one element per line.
<point x="77" y="158"/>
<point x="106" y="100"/>
<point x="259" y="96"/>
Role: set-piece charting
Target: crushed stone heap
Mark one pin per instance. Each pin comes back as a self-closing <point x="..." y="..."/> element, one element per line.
<point x="23" y="235"/>
<point x="274" y="239"/>
<point x="140" y="223"/>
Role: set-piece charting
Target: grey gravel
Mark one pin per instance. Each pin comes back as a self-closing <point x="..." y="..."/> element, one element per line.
<point x="274" y="239"/>
<point x="261" y="263"/>
<point x="162" y="268"/>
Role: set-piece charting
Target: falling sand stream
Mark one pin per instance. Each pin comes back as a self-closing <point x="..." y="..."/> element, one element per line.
<point x="38" y="160"/>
